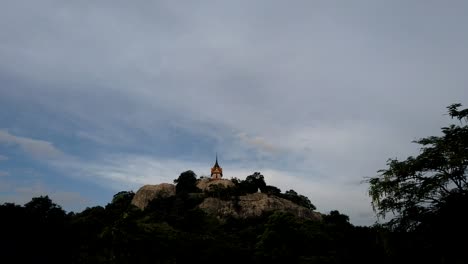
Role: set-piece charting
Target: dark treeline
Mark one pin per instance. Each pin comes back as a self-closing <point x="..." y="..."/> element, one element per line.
<point x="172" y="230"/>
<point x="425" y="198"/>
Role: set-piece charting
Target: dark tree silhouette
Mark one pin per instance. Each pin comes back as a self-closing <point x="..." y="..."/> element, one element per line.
<point x="427" y="195"/>
<point x="299" y="199"/>
<point x="255" y="182"/>
<point x="186" y="183"/>
<point x="419" y="186"/>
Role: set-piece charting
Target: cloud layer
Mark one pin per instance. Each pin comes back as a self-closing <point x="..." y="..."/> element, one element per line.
<point x="36" y="148"/>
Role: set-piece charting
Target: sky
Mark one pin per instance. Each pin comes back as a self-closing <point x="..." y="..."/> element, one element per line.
<point x="98" y="97"/>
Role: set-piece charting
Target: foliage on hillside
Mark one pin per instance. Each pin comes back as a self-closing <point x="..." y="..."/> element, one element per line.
<point x="426" y="196"/>
<point x="256" y="183"/>
<point x="173" y="230"/>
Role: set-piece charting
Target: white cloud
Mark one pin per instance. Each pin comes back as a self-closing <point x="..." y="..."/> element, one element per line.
<point x="92" y="137"/>
<point x="36" y="148"/>
<point x="4" y="173"/>
<point x="258" y="143"/>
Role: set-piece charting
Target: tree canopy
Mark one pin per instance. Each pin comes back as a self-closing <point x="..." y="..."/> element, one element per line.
<point x="418" y="188"/>
<point x="186" y="183"/>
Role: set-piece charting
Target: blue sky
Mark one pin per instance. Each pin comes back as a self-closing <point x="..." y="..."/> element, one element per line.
<point x="102" y="96"/>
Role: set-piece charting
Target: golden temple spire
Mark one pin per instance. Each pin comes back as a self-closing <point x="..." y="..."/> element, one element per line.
<point x="216" y="171"/>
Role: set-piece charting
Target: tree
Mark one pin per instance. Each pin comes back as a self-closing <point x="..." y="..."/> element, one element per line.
<point x="255" y="182"/>
<point x="299" y="199"/>
<point x="123" y="197"/>
<point x="336" y="218"/>
<point x="269" y="189"/>
<point x="419" y="188"/>
<point x="186" y="183"/>
<point x="43" y="209"/>
<point x="282" y="239"/>
<point x="121" y="204"/>
<point x="45" y="219"/>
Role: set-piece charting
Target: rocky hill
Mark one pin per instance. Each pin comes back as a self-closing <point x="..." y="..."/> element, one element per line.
<point x="244" y="206"/>
<point x="149" y="192"/>
<point x="254" y="204"/>
<point x="205" y="184"/>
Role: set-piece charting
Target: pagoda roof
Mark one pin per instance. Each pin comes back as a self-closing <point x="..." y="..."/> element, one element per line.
<point x="216" y="163"/>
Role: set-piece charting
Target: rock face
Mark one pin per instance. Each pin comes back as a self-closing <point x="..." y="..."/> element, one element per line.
<point x="149" y="192"/>
<point x="253" y="205"/>
<point x="204" y="184"/>
<point x="250" y="205"/>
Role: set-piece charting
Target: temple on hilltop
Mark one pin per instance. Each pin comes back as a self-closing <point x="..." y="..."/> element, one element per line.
<point x="216" y="171"/>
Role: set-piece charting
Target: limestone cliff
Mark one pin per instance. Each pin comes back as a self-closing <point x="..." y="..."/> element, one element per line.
<point x="245" y="206"/>
<point x="255" y="204"/>
<point x="204" y="184"/>
<point x="149" y="192"/>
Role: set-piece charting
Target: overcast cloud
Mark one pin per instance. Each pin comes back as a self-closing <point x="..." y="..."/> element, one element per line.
<point x="35" y="148"/>
<point x="316" y="95"/>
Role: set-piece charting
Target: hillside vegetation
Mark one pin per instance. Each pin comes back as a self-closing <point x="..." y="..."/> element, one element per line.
<point x="180" y="229"/>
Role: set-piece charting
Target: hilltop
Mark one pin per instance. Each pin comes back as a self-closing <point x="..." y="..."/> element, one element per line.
<point x="224" y="198"/>
<point x="191" y="221"/>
